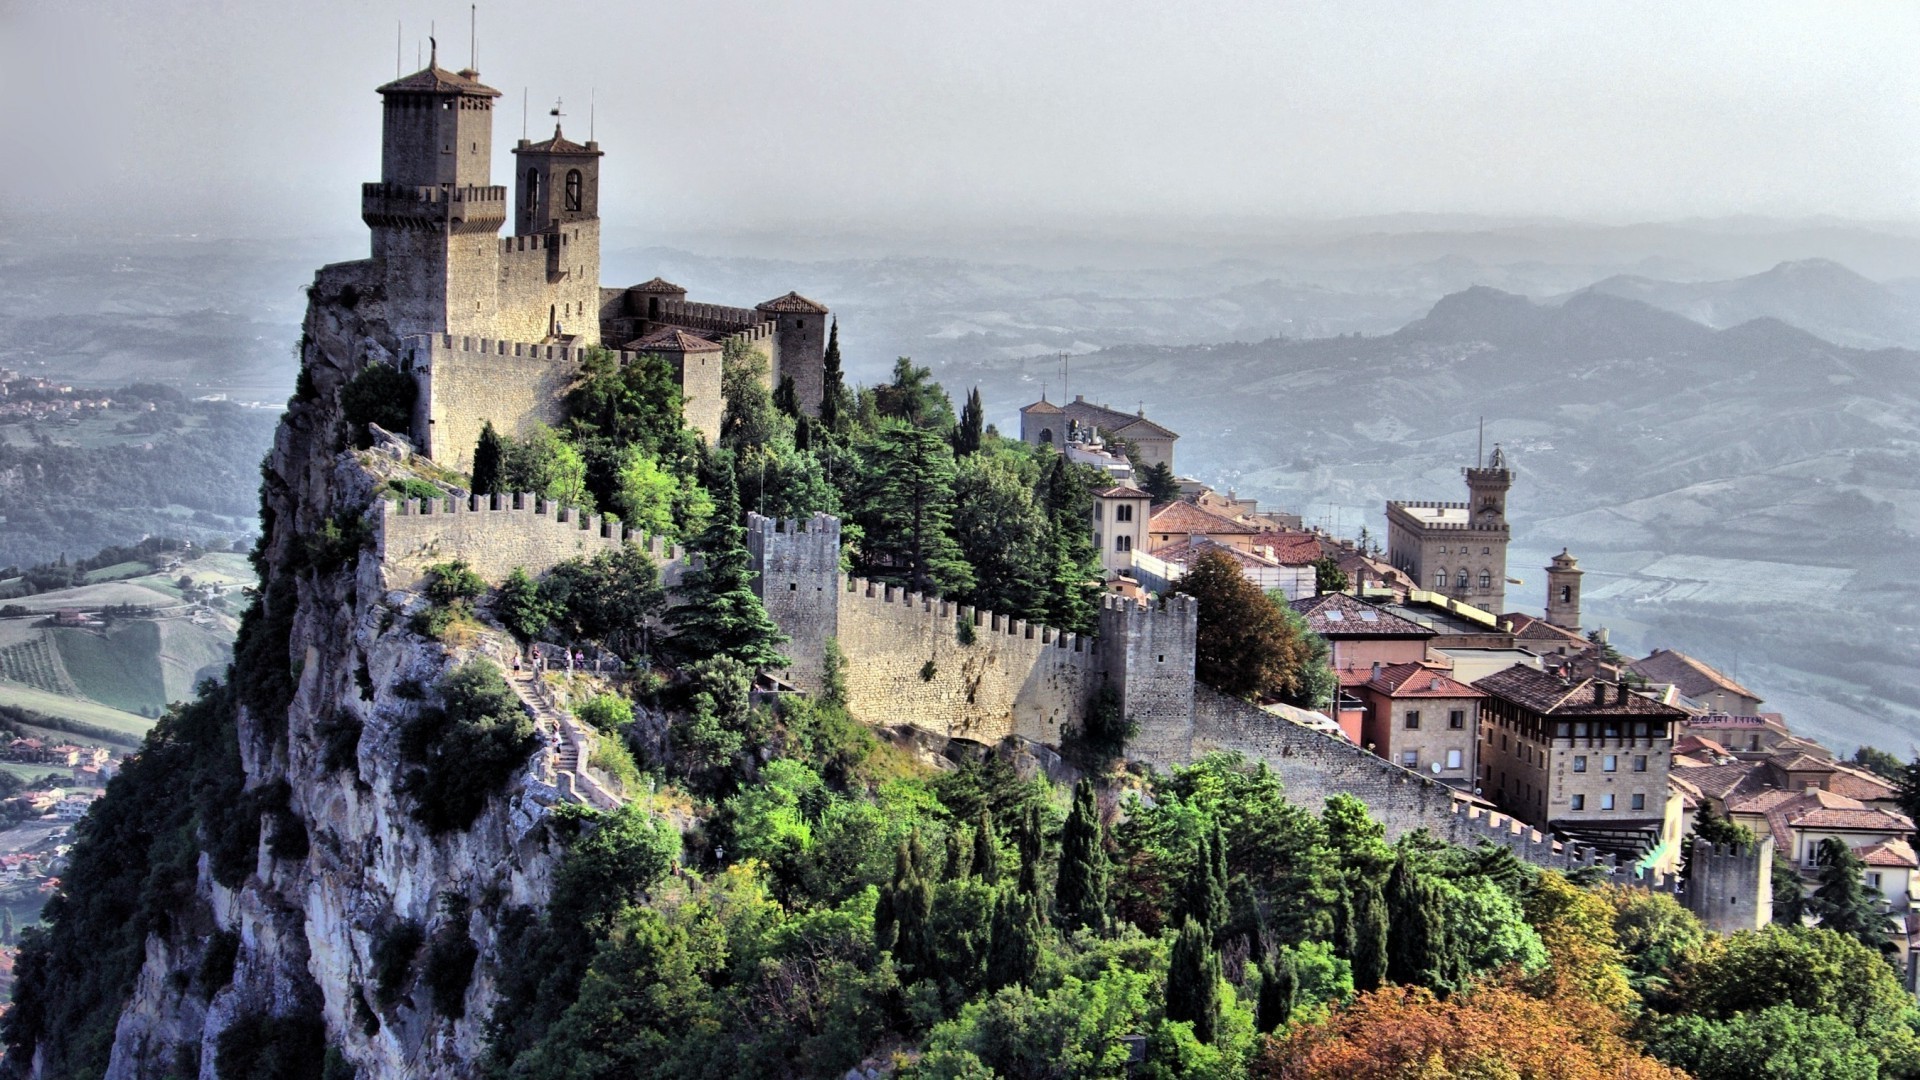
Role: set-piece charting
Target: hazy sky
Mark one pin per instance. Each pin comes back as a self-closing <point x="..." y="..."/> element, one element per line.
<point x="718" y="113"/>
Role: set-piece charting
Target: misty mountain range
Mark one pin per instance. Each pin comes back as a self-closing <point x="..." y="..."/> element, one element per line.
<point x="1731" y="454"/>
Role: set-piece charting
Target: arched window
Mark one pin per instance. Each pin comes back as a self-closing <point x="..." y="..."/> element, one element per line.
<point x="573" y="190"/>
<point x="1461" y="581"/>
<point x="1046" y="435"/>
<point x="533" y="190"/>
<point x="1123" y="512"/>
<point x="1566" y="594"/>
<point x="1440" y="578"/>
<point x="1123" y="543"/>
<point x="1486" y="579"/>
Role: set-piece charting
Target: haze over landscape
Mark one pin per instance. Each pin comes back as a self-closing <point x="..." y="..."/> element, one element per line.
<point x="1205" y="210"/>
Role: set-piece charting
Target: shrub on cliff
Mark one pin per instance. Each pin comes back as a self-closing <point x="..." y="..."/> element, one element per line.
<point x="465" y="749"/>
<point x="378" y="395"/>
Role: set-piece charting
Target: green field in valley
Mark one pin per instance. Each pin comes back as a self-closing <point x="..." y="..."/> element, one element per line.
<point x="87" y="712"/>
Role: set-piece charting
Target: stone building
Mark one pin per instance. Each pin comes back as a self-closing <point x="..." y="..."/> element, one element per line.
<point x="494" y="328"/>
<point x="1699" y="682"/>
<point x="1043" y="423"/>
<point x="1420" y="718"/>
<point x="1587" y="759"/>
<point x="1120" y="517"/>
<point x="1458" y="549"/>
<point x="1563" y="592"/>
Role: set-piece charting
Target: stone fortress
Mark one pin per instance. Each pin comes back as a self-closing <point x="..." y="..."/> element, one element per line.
<point x="1458" y="549"/>
<point x="494" y="328"/>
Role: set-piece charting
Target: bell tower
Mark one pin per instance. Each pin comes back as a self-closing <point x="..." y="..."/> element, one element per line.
<point x="1487" y="492"/>
<point x="1563" y="591"/>
<point x="557" y="183"/>
<point x="553" y="262"/>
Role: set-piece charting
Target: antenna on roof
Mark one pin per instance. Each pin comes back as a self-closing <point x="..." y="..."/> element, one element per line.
<point x="473" y="38"/>
<point x="593" y="97"/>
<point x="396" y="48"/>
<point x="523" y="114"/>
<point x="1480" y="454"/>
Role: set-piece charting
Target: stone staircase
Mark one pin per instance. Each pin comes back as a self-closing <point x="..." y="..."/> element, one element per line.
<point x="568" y="743"/>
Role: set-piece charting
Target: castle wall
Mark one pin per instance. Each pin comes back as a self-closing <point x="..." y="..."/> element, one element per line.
<point x="798" y="564"/>
<point x="1149" y="657"/>
<point x="703" y="405"/>
<point x="496" y="536"/>
<point x="550" y="276"/>
<point x="958" y="672"/>
<point x="466" y="382"/>
<point x="799" y="353"/>
<point x="1732" y="886"/>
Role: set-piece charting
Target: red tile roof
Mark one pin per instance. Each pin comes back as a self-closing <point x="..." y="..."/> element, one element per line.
<point x="1813" y="808"/>
<point x="793" y="302"/>
<point x="1181" y="516"/>
<point x="1043" y="406"/>
<point x="1528" y="628"/>
<point x="669" y="340"/>
<point x="1691" y="676"/>
<point x="1549" y="696"/>
<point x="658" y="285"/>
<point x="1419" y="680"/>
<point x="435" y="79"/>
<point x="1890" y="853"/>
<point x="1291" y="548"/>
<point x="1337" y="615"/>
<point x="1183" y="552"/>
<point x="1124" y="491"/>
<point x="1113" y="421"/>
<point x="559" y="144"/>
<point x="1856" y="784"/>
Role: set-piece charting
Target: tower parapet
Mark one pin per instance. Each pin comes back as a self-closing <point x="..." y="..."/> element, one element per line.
<point x="797" y="576"/>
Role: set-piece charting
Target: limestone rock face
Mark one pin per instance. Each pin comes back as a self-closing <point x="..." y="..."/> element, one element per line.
<point x="307" y="928"/>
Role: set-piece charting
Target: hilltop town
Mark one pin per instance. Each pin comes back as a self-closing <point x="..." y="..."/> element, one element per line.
<point x="628" y="694"/>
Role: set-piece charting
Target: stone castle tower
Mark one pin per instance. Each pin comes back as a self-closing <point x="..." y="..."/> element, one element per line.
<point x="1563" y="591"/>
<point x="1458" y="549"/>
<point x="494" y="329"/>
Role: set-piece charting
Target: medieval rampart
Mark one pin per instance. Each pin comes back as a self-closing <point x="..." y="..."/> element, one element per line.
<point x="496" y="535"/>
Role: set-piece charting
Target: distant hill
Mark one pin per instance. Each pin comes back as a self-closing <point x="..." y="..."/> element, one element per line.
<point x="1817" y="295"/>
<point x="1788" y="467"/>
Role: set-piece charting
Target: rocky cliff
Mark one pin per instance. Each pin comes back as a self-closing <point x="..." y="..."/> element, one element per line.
<point x="306" y="930"/>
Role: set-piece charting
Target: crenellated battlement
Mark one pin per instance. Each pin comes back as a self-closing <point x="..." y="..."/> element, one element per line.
<point x="498" y="534"/>
<point x="712" y="318"/>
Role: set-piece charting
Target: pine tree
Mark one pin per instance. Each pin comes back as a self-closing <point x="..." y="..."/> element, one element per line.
<point x="1843" y="903"/>
<point x="1417" y="950"/>
<point x="967" y="434"/>
<point x="986" y="850"/>
<point x="1072" y="572"/>
<point x="719" y="615"/>
<point x="1193" y="982"/>
<point x="833" y="387"/>
<point x="1157" y="480"/>
<point x="488" y="458"/>
<point x="1714" y="829"/>
<point x="1279" y="987"/>
<point x="1080" y="896"/>
<point x="908" y="514"/>
<point x="1369" y="931"/>
<point x="1203" y="895"/>
<point x="1013" y="954"/>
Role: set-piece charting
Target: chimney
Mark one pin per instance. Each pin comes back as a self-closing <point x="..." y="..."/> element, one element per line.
<point x="1622" y="699"/>
<point x="1599" y="692"/>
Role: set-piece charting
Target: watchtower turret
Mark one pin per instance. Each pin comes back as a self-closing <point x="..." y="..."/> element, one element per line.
<point x="1487" y="492"/>
<point x="1563" y="591"/>
<point x="799" y="346"/>
<point x="558" y="183"/>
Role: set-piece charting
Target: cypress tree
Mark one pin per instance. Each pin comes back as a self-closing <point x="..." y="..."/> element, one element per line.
<point x="959" y="861"/>
<point x="719" y="615"/>
<point x="1203" y="895"/>
<point x="1369" y="932"/>
<point x="903" y="917"/>
<point x="1193" y="982"/>
<point x="1013" y="954"/>
<point x="1843" y="903"/>
<point x="1080" y="896"/>
<point x="833" y="389"/>
<point x="488" y="458"/>
<point x="1033" y="842"/>
<point x="1417" y="950"/>
<point x="968" y="433"/>
<point x="1279" y="987"/>
<point x="986" y="850"/>
<point x="786" y="398"/>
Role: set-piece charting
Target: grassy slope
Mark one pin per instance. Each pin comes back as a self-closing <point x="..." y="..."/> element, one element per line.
<point x="119" y="668"/>
<point x="88" y="712"/>
<point x="187" y="652"/>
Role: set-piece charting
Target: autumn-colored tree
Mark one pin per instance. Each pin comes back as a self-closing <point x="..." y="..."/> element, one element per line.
<point x="1244" y="646"/>
<point x="1400" y="1032"/>
<point x="1585" y="961"/>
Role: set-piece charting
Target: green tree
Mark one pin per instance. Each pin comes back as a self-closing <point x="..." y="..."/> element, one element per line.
<point x="1013" y="956"/>
<point x="1843" y="902"/>
<point x="914" y="398"/>
<point x="1000" y="534"/>
<point x="721" y="723"/>
<point x="718" y="613"/>
<point x="1203" y="894"/>
<point x="1316" y="683"/>
<point x="750" y="419"/>
<point x="1789" y="891"/>
<point x="1907" y="790"/>
<point x="1327" y="575"/>
<point x="607" y="598"/>
<point x="548" y="466"/>
<point x="489" y="460"/>
<point x="907" y="516"/>
<point x="967" y="435"/>
<point x="1279" y="987"/>
<point x="644" y="495"/>
<point x="1418" y="950"/>
<point x="1244" y="646"/>
<point x="463" y="750"/>
<point x="1080" y="895"/>
<point x="1193" y="981"/>
<point x="1710" y="827"/>
<point x="1369" y="932"/>
<point x="1776" y="1043"/>
<point x="786" y="398"/>
<point x="1072" y="575"/>
<point x="986" y="861"/>
<point x="522" y="608"/>
<point x="902" y="922"/>
<point x="834" y="406"/>
<point x="1157" y="480"/>
<point x="1815" y="970"/>
<point x="380" y="395"/>
<point x="1879" y="762"/>
<point x="636" y="405"/>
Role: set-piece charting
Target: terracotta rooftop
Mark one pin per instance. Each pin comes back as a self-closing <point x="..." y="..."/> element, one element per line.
<point x="1889" y="853"/>
<point x="1337" y="615"/>
<point x="559" y="144"/>
<point x="1813" y="808"/>
<point x="1124" y="491"/>
<point x="1043" y="406"/>
<point x="434" y="79"/>
<point x="1530" y="628"/>
<point x="1181" y="516"/>
<point x="1419" y="680"/>
<point x="1800" y="762"/>
<point x="669" y="340"/>
<point x="1696" y="744"/>
<point x="1113" y="421"/>
<point x="1549" y="696"/>
<point x="794" y="302"/>
<point x="658" y="285"/>
<point x="1859" y="784"/>
<point x="1182" y="552"/>
<point x="1292" y="548"/>
<point x="1691" y="676"/>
